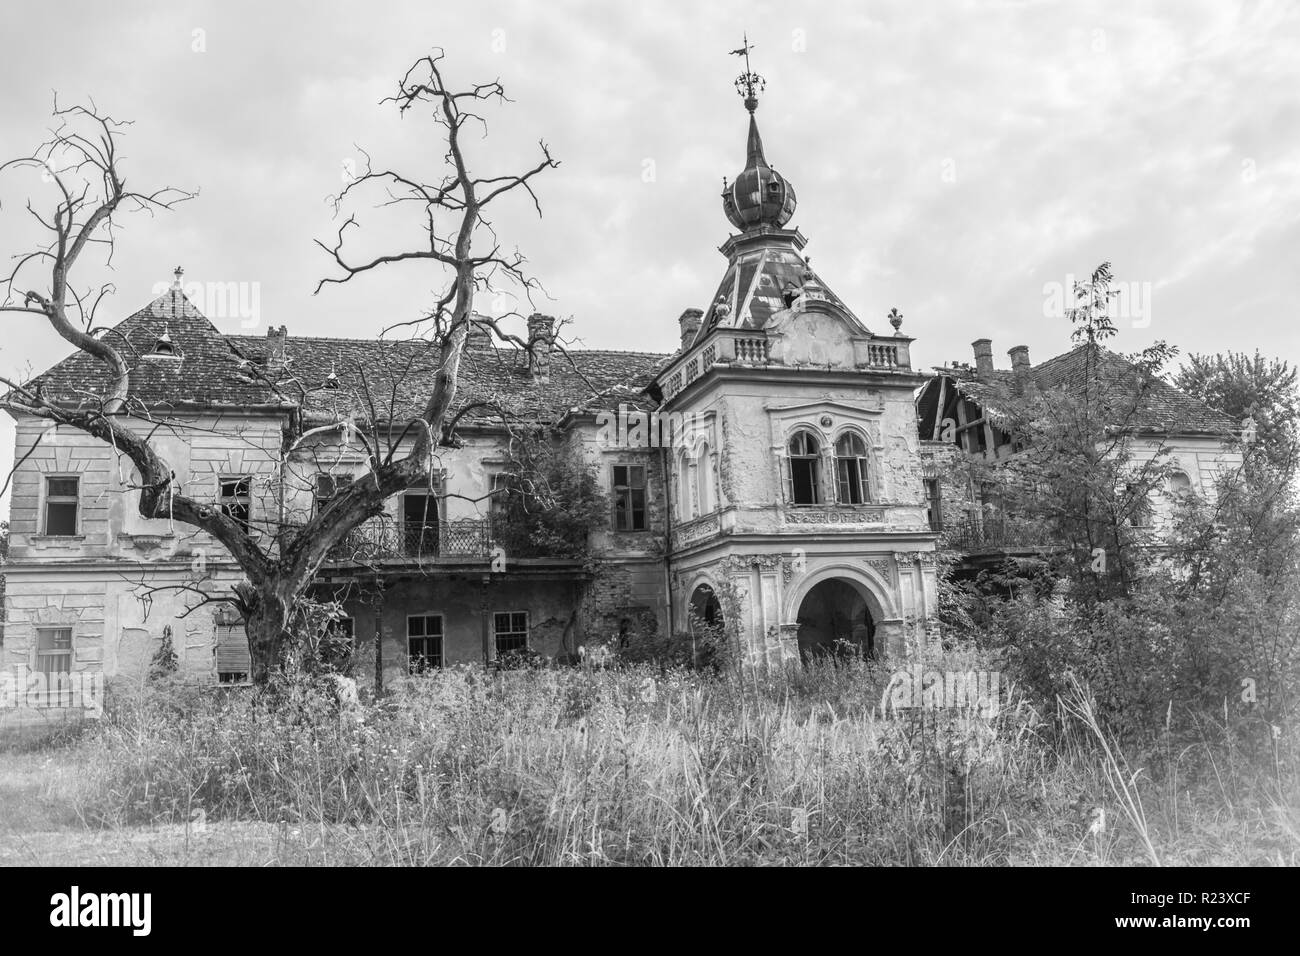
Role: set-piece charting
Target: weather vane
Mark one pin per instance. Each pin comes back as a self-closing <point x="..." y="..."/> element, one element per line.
<point x="749" y="84"/>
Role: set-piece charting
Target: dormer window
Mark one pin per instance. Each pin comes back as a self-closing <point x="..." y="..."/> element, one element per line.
<point x="164" y="347"/>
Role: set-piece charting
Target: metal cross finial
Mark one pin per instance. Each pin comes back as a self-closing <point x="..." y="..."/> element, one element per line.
<point x="749" y="84"/>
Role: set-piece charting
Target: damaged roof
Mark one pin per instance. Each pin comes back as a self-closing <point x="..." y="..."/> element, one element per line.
<point x="756" y="286"/>
<point x="329" y="379"/>
<point x="1166" y="409"/>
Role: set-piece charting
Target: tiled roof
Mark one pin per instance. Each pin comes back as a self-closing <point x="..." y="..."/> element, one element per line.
<point x="392" y="378"/>
<point x="754" y="284"/>
<point x="1164" y="409"/>
<point x="396" y="377"/>
<point x="207" y="371"/>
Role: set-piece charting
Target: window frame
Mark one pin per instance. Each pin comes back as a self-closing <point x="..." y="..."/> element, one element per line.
<point x="933" y="502"/>
<point x="686" y="502"/>
<point x="511" y="632"/>
<point x="441" y="663"/>
<point x="498" y="509"/>
<point x="61" y="500"/>
<point x="704" y="463"/>
<point x="419" y="548"/>
<point x="1175" y="492"/>
<point x="338" y="483"/>
<point x="624" y="495"/>
<point x="813" y="461"/>
<point x="54" y="689"/>
<point x="857" y="462"/>
<point x="228" y="503"/>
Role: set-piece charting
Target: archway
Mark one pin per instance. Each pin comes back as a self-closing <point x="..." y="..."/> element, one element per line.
<point x="704" y="610"/>
<point x="835" y="620"/>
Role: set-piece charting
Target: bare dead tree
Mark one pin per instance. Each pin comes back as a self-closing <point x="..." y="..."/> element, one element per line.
<point x="462" y="246"/>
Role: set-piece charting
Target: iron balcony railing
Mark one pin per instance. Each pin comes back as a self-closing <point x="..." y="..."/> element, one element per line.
<point x="995" y="533"/>
<point x="380" y="540"/>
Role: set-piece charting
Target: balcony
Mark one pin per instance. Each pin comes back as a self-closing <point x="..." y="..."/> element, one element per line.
<point x="974" y="535"/>
<point x="459" y="539"/>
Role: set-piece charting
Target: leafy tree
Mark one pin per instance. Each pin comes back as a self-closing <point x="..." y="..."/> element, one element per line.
<point x="1089" y="468"/>
<point x="1251" y="387"/>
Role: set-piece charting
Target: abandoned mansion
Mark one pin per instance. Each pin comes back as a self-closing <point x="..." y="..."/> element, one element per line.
<point x="794" y="498"/>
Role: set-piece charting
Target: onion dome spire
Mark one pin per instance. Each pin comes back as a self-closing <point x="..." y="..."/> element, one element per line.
<point x="759" y="196"/>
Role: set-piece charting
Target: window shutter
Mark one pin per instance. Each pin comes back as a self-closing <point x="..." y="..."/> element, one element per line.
<point x="232" y="651"/>
<point x="787" y="478"/>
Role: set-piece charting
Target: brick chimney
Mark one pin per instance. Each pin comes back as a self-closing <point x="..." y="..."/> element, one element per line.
<point x="983" y="356"/>
<point x="1019" y="359"/>
<point x="276" y="354"/>
<point x="690" y="323"/>
<point x="541" y="333"/>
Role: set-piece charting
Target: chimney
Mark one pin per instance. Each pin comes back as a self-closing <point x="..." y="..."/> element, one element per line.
<point x="541" y="332"/>
<point x="1019" y="359"/>
<point x="276" y="356"/>
<point x="478" y="336"/>
<point x="983" y="356"/>
<point x="690" y="323"/>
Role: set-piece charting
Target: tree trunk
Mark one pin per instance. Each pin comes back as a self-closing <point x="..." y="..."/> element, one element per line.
<point x="266" y="621"/>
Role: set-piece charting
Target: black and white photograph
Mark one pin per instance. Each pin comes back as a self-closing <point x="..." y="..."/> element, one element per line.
<point x="576" y="434"/>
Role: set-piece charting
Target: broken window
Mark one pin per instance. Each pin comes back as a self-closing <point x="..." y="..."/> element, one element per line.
<point x="511" y="631"/>
<point x="329" y="487"/>
<point x="61" y="498"/>
<point x="805" y="469"/>
<point x="851" y="469"/>
<point x="934" y="503"/>
<point x="629" y="498"/>
<point x="423" y="643"/>
<point x="236" y="499"/>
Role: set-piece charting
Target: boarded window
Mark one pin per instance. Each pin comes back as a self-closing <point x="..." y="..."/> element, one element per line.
<point x="234" y="665"/>
<point x="61" y="497"/>
<point x="511" y="631"/>
<point x="423" y="642"/>
<point x="629" y="498"/>
<point x="236" y="498"/>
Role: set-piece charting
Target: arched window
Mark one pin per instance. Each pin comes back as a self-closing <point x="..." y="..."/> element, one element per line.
<point x="708" y="499"/>
<point x="805" y="468"/>
<point x="851" y="469"/>
<point x="685" y="496"/>
<point x="1180" y="485"/>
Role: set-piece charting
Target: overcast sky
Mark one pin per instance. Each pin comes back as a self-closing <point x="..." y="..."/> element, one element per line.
<point x="957" y="161"/>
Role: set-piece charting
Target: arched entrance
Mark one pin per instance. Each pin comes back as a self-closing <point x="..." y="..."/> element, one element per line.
<point x="835" y="620"/>
<point x="705" y="624"/>
<point x="704" y="610"/>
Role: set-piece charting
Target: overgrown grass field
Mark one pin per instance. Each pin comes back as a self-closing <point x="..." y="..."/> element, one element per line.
<point x="641" y="766"/>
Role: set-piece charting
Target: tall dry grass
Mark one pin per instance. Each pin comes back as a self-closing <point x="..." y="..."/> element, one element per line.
<point x="641" y="766"/>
